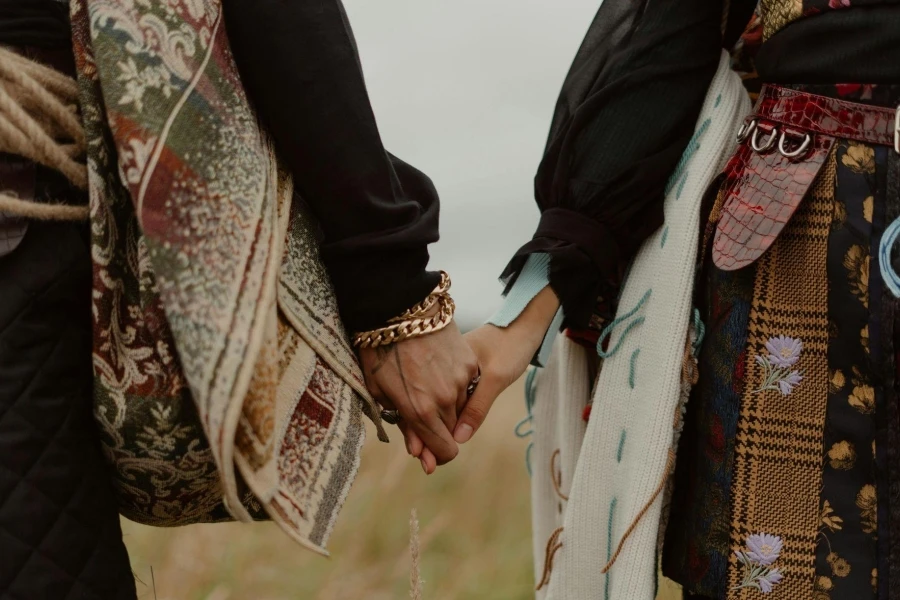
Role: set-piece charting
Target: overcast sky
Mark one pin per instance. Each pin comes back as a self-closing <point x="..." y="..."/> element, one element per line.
<point x="464" y="90"/>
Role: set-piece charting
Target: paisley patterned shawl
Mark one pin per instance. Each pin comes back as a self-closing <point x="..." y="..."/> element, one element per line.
<point x="224" y="384"/>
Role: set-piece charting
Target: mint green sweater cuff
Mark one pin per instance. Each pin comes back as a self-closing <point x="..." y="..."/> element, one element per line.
<point x="534" y="277"/>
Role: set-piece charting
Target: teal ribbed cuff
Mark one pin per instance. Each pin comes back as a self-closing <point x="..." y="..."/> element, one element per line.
<point x="534" y="277"/>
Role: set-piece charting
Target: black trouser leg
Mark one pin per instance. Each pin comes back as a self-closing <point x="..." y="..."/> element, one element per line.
<point x="60" y="537"/>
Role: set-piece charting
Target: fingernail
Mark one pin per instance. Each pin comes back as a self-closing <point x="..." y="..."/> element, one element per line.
<point x="463" y="433"/>
<point x="424" y="466"/>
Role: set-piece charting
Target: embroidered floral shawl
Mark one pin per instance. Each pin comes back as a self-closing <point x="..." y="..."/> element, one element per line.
<point x="224" y="384"/>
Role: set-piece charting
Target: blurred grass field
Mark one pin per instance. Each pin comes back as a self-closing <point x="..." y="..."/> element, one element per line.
<point x="475" y="534"/>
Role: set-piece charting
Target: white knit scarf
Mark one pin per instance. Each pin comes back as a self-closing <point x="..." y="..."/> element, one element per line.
<point x="593" y="482"/>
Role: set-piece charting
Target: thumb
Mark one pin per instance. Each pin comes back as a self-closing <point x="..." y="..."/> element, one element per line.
<point x="476" y="409"/>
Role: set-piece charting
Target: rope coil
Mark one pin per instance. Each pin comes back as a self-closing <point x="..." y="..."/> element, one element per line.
<point x="39" y="121"/>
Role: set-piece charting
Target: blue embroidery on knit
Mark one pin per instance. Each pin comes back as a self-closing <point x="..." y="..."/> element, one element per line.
<point x="681" y="187"/>
<point x="609" y="532"/>
<point x="690" y="150"/>
<point x="718" y="99"/>
<point x="632" y="366"/>
<point x="529" y="417"/>
<point x="665" y="236"/>
<point x="621" y="446"/>
<point x="618" y="320"/>
<point x="700" y="332"/>
<point x="888" y="274"/>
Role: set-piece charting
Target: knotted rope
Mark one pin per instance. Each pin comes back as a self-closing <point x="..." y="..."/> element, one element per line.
<point x="39" y="121"/>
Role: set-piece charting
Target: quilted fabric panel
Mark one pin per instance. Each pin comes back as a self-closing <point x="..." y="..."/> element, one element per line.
<point x="60" y="537"/>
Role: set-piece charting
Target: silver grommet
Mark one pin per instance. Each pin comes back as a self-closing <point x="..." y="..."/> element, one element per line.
<point x="800" y="150"/>
<point x="746" y="129"/>
<point x="770" y="141"/>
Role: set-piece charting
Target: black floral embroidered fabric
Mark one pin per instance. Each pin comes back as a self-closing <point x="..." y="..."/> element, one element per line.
<point x="846" y="558"/>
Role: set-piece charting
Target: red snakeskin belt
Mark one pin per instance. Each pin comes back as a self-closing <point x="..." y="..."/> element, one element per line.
<point x="783" y="144"/>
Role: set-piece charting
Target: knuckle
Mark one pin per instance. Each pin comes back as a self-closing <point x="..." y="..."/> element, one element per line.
<point x="423" y="413"/>
<point x="447" y="399"/>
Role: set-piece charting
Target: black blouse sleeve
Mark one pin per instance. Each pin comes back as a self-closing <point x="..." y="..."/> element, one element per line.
<point x="299" y="64"/>
<point x="626" y="112"/>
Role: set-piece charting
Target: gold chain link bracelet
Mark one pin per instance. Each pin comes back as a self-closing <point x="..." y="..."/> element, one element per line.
<point x="413" y="322"/>
<point x="421" y="309"/>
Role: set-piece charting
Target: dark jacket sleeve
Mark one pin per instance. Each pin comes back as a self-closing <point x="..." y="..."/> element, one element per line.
<point x="299" y="64"/>
<point x="626" y="112"/>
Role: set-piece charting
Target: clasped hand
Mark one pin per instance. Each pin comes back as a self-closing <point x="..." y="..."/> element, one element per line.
<point x="426" y="379"/>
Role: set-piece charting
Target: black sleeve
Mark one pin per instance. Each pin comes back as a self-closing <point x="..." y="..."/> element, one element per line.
<point x="299" y="64"/>
<point x="626" y="112"/>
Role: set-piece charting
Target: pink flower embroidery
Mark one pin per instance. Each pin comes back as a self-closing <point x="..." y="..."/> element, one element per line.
<point x="764" y="548"/>
<point x="784" y="353"/>
<point x="762" y="551"/>
<point x="768" y="580"/>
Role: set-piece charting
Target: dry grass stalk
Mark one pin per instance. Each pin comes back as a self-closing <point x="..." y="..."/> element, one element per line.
<point x="415" y="581"/>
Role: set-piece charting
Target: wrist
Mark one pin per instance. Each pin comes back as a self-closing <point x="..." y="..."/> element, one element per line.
<point x="532" y="324"/>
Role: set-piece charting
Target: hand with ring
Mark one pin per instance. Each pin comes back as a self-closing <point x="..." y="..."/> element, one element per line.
<point x="425" y="381"/>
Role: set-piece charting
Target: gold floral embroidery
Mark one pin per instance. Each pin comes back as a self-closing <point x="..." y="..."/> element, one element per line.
<point x="822" y="587"/>
<point x="824" y="583"/>
<point x="839" y="566"/>
<point x="868" y="208"/>
<point x="829" y="519"/>
<point x="874" y="580"/>
<point x="842" y="456"/>
<point x="856" y="262"/>
<point x="839" y="217"/>
<point x="864" y="338"/>
<point x="837" y="381"/>
<point x="863" y="399"/>
<point x="867" y="501"/>
<point x="859" y="158"/>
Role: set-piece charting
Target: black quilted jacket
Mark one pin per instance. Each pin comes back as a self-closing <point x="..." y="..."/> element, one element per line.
<point x="60" y="537"/>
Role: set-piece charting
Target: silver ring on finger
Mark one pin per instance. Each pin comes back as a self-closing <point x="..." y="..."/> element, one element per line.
<point x="391" y="416"/>
<point x="473" y="384"/>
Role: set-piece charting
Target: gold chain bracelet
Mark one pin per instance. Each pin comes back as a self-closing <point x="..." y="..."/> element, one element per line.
<point x="421" y="309"/>
<point x="413" y="322"/>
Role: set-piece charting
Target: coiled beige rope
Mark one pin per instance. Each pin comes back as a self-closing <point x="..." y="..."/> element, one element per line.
<point x="39" y="121"/>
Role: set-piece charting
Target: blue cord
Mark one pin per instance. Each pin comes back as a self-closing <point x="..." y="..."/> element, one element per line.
<point x="888" y="274"/>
